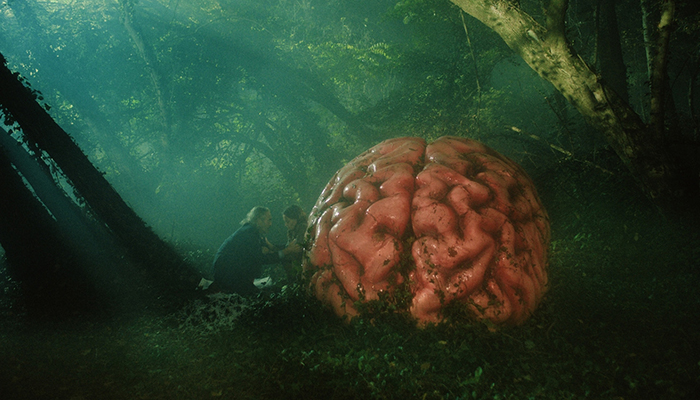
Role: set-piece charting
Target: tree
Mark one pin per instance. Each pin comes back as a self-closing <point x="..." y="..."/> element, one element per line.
<point x="546" y="50"/>
<point x="39" y="255"/>
<point x="609" y="59"/>
<point x="117" y="72"/>
<point x="19" y="105"/>
<point x="41" y="45"/>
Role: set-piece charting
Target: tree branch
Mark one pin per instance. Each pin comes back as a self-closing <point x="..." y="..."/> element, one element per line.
<point x="658" y="72"/>
<point x="657" y="171"/>
<point x="561" y="150"/>
<point x="691" y="103"/>
<point x="555" y="20"/>
<point x="646" y="33"/>
<point x="151" y="64"/>
<point x="476" y="70"/>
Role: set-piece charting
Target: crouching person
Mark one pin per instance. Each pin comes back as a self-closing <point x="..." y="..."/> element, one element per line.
<point x="241" y="257"/>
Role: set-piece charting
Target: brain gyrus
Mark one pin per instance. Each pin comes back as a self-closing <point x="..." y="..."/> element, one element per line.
<point x="447" y="223"/>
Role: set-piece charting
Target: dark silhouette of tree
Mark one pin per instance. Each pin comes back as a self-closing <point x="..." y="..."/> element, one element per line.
<point x="609" y="48"/>
<point x="75" y="89"/>
<point x="41" y="131"/>
<point x="37" y="252"/>
<point x="545" y="48"/>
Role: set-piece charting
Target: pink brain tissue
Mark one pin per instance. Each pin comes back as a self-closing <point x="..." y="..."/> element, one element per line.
<point x="447" y="223"/>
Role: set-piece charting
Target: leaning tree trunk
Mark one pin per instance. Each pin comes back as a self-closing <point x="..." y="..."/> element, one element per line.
<point x="78" y="230"/>
<point x="49" y="269"/>
<point x="546" y="50"/>
<point x="72" y="89"/>
<point x="27" y="231"/>
<point x="128" y="228"/>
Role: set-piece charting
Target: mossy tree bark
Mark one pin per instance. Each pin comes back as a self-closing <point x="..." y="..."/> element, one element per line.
<point x="546" y="50"/>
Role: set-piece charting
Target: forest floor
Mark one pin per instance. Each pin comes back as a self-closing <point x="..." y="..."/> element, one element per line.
<point x="621" y="320"/>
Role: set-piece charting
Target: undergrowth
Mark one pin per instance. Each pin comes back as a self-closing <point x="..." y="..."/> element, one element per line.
<point x="621" y="320"/>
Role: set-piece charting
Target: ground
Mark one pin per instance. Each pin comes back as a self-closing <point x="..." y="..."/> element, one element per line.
<point x="621" y="320"/>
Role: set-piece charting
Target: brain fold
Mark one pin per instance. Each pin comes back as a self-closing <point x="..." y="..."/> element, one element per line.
<point x="450" y="223"/>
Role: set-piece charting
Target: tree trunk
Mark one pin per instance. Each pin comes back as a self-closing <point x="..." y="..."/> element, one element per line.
<point x="37" y="255"/>
<point x="98" y="126"/>
<point x="659" y="78"/>
<point x="81" y="231"/>
<point x="547" y="52"/>
<point x="26" y="228"/>
<point x="609" y="56"/>
<point x="146" y="54"/>
<point x="128" y="228"/>
<point x="291" y="172"/>
<point x="646" y="34"/>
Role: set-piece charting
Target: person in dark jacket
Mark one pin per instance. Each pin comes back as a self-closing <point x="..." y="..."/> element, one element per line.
<point x="240" y="258"/>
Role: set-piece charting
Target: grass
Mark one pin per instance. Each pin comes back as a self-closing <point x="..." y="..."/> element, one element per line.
<point x="621" y="320"/>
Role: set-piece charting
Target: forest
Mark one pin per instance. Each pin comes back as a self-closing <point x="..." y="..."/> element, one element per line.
<point x="136" y="134"/>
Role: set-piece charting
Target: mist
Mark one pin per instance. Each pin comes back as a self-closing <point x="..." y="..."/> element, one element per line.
<point x="196" y="111"/>
<point x="184" y="141"/>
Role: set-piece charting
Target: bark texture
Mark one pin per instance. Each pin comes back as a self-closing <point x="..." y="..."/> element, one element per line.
<point x="545" y="50"/>
<point x="609" y="49"/>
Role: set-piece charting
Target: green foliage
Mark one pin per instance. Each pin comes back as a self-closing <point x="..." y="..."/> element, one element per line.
<point x="620" y="320"/>
<point x="266" y="99"/>
<point x="261" y="102"/>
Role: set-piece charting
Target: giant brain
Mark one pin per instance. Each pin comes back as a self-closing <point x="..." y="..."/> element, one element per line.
<point x="447" y="223"/>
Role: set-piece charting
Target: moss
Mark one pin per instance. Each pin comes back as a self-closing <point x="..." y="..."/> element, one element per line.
<point x="620" y="320"/>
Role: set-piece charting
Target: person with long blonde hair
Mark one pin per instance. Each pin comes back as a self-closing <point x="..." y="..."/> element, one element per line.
<point x="240" y="258"/>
